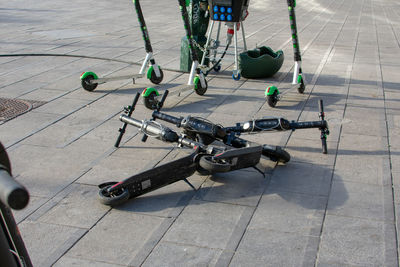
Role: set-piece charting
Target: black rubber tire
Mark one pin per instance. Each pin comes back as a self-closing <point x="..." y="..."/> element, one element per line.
<point x="272" y="99"/>
<point x="87" y="85"/>
<point x="277" y="154"/>
<point x="153" y="77"/>
<point x="301" y="87"/>
<point x="200" y="90"/>
<point x="113" y="200"/>
<point x="150" y="101"/>
<point x="207" y="163"/>
<point x="217" y="68"/>
<point x="324" y="146"/>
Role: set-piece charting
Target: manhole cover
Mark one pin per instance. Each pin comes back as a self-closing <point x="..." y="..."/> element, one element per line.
<point x="11" y="108"/>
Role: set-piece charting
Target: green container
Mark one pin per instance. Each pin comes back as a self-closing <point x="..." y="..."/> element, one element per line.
<point x="261" y="62"/>
<point x="199" y="23"/>
<point x="186" y="59"/>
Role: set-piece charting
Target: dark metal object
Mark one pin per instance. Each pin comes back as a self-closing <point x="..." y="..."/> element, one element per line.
<point x="12" y="248"/>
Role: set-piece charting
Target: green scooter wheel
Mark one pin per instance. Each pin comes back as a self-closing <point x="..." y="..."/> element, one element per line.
<point x="198" y="88"/>
<point x="272" y="99"/>
<point x="153" y="77"/>
<point x="87" y="84"/>
<point x="150" y="101"/>
<point x="302" y="86"/>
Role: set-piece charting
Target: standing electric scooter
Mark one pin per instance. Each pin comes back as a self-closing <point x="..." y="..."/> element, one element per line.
<point x="272" y="93"/>
<point x="90" y="80"/>
<point x="197" y="80"/>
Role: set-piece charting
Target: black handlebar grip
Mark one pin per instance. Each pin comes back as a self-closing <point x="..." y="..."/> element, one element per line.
<point x="161" y="103"/>
<point x="167" y="118"/>
<point x="12" y="193"/>
<point x="122" y="130"/>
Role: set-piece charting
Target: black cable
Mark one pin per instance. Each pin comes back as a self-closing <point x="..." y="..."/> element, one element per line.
<point x="81" y="56"/>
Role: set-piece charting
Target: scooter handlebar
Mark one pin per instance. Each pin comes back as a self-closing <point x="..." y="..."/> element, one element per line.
<point x="12" y="193"/>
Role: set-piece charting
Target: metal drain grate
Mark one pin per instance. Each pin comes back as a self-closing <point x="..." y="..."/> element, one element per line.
<point x="11" y="108"/>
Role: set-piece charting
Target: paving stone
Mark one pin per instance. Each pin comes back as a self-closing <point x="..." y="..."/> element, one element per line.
<point x="271" y="248"/>
<point x="184" y="255"/>
<point x="361" y="200"/>
<point x="289" y="213"/>
<point x="69" y="261"/>
<point x="104" y="241"/>
<point x="80" y="208"/>
<point x="356" y="241"/>
<point x="301" y="178"/>
<point x="243" y="187"/>
<point x="205" y="224"/>
<point x="46" y="243"/>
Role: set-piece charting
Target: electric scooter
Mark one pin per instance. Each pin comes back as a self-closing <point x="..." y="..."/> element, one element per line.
<point x="90" y="80"/>
<point x="202" y="136"/>
<point x="204" y="158"/>
<point x="197" y="80"/>
<point x="272" y="93"/>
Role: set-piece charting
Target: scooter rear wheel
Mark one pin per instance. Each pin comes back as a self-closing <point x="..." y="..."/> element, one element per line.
<point x="153" y="77"/>
<point x="198" y="88"/>
<point x="302" y="86"/>
<point x="212" y="165"/>
<point x="115" y="198"/>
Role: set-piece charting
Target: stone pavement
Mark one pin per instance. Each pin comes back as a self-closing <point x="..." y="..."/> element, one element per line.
<point x="339" y="209"/>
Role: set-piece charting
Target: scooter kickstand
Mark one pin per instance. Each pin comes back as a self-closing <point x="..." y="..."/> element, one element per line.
<point x="191" y="185"/>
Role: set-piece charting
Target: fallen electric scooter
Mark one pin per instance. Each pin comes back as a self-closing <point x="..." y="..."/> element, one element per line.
<point x="215" y="149"/>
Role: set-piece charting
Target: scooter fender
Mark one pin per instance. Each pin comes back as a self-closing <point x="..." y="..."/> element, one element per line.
<point x="271" y="90"/>
<point x="146" y="92"/>
<point x="87" y="73"/>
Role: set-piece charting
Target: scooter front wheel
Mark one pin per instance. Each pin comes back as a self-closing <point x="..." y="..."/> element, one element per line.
<point x="150" y="101"/>
<point x="272" y="99"/>
<point x="212" y="165"/>
<point x="276" y="154"/>
<point x="114" y="198"/>
<point x="86" y="83"/>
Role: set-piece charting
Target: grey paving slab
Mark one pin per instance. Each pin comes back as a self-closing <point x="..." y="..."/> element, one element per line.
<point x="205" y="224"/>
<point x="239" y="187"/>
<point x="184" y="255"/>
<point x="339" y="209"/>
<point x="361" y="201"/>
<point x="271" y="248"/>
<point x="301" y="178"/>
<point x="52" y="239"/>
<point x="356" y="241"/>
<point x="100" y="243"/>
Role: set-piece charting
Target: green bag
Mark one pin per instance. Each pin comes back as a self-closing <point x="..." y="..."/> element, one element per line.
<point x="261" y="62"/>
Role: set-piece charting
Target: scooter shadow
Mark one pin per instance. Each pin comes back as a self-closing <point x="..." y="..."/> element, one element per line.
<point x="246" y="187"/>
